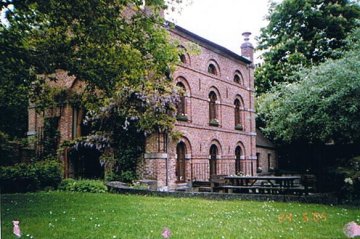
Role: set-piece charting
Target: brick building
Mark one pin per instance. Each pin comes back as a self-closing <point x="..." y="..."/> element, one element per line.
<point x="266" y="154"/>
<point x="215" y="115"/>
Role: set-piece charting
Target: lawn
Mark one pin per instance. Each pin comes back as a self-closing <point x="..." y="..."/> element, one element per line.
<point x="86" y="215"/>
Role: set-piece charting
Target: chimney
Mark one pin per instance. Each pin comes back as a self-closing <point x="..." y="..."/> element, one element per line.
<point x="247" y="49"/>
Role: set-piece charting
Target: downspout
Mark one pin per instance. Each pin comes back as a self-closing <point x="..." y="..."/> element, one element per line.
<point x="252" y="108"/>
<point x="166" y="162"/>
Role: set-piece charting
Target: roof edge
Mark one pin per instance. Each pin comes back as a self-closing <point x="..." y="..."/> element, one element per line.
<point x="212" y="44"/>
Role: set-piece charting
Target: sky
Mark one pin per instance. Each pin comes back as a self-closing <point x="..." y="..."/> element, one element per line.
<point x="223" y="21"/>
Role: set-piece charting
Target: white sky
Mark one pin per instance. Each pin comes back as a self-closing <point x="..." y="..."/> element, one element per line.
<point x="223" y="21"/>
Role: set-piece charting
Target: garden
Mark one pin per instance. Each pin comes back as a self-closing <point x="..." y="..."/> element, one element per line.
<point x="59" y="214"/>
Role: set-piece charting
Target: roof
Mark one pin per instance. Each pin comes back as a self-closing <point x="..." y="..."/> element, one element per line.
<point x="212" y="44"/>
<point x="262" y="141"/>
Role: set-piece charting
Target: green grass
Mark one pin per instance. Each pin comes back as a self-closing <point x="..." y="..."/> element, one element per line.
<point x="86" y="215"/>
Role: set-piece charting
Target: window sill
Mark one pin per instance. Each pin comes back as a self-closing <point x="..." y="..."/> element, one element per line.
<point x="214" y="123"/>
<point x="182" y="118"/>
<point x="239" y="127"/>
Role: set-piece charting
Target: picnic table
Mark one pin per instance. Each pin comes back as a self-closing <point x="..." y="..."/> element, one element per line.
<point x="263" y="184"/>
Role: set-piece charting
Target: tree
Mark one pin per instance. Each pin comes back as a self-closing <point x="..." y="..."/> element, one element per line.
<point x="302" y="33"/>
<point x="323" y="106"/>
<point x="119" y="48"/>
<point x="15" y="79"/>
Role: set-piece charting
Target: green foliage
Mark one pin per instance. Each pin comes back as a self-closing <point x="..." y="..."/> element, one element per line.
<point x="122" y="52"/>
<point x="51" y="136"/>
<point x="49" y="173"/>
<point x="127" y="150"/>
<point x="7" y="152"/>
<point x="350" y="178"/>
<point x="90" y="186"/>
<point x="322" y="107"/>
<point x="52" y="96"/>
<point x="301" y="33"/>
<point x="15" y="78"/>
<point x="30" y="177"/>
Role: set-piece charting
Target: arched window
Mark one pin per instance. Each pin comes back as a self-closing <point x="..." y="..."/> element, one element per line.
<point x="182" y="58"/>
<point x="238" y="77"/>
<point x="183" y="55"/>
<point x="213" y="154"/>
<point x="212" y="109"/>
<point x="237" y="114"/>
<point x="237" y="160"/>
<point x="181" y="106"/>
<point x="180" y="162"/>
<point x="212" y="69"/>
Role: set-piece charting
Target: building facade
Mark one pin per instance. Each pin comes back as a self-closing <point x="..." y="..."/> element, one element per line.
<point x="216" y="117"/>
<point x="266" y="154"/>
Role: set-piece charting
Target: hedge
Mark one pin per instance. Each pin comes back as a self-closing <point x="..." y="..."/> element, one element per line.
<point x="30" y="177"/>
<point x="83" y="185"/>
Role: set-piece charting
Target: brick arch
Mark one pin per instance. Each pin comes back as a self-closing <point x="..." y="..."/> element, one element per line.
<point x="181" y="79"/>
<point x="218" y="145"/>
<point x="242" y="147"/>
<point x="216" y="91"/>
<point x="217" y="67"/>
<point x="239" y="97"/>
<point x="240" y="75"/>
<point x="187" y="143"/>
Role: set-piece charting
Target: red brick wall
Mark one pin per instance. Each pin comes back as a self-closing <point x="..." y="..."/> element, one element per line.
<point x="264" y="154"/>
<point x="198" y="134"/>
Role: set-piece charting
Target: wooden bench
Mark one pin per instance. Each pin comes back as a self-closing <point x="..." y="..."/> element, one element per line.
<point x="240" y="189"/>
<point x="261" y="189"/>
<point x="201" y="186"/>
<point x="217" y="181"/>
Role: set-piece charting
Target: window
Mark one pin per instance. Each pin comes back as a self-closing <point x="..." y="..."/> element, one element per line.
<point x="213" y="154"/>
<point x="257" y="160"/>
<point x="237" y="114"/>
<point x="162" y="142"/>
<point x="258" y="167"/>
<point x="212" y="109"/>
<point x="183" y="58"/>
<point x="237" y="160"/>
<point x="181" y="105"/>
<point x="238" y="78"/>
<point x="180" y="162"/>
<point x="183" y="55"/>
<point x="212" y="69"/>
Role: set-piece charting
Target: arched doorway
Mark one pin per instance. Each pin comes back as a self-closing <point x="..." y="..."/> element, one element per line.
<point x="213" y="154"/>
<point x="237" y="160"/>
<point x="84" y="163"/>
<point x="180" y="162"/>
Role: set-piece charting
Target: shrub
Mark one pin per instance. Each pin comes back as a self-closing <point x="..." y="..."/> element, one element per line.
<point x="9" y="150"/>
<point x="84" y="185"/>
<point x="350" y="178"/>
<point x="49" y="173"/>
<point x="30" y="177"/>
